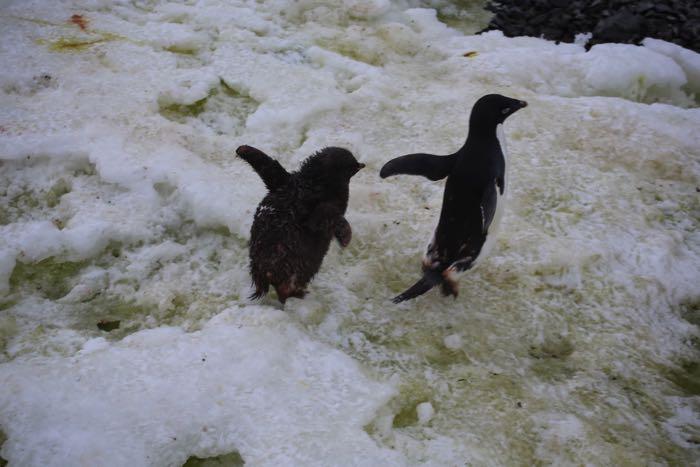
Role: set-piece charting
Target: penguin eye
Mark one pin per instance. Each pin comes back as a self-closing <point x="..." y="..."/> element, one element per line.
<point x="505" y="111"/>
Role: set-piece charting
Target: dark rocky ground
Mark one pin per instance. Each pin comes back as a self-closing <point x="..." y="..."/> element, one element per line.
<point x="627" y="21"/>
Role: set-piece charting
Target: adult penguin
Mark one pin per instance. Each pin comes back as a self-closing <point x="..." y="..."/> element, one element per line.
<point x="473" y="200"/>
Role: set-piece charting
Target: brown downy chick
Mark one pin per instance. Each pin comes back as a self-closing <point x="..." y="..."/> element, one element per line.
<point x="296" y="221"/>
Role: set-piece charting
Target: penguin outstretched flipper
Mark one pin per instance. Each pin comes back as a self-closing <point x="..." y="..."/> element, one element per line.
<point x="427" y="165"/>
<point x="272" y="173"/>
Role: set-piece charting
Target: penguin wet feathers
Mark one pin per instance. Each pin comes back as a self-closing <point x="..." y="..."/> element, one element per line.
<point x="473" y="198"/>
<point x="296" y="221"/>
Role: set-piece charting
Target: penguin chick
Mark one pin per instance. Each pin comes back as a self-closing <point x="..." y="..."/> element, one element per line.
<point x="296" y="221"/>
<point x="473" y="200"/>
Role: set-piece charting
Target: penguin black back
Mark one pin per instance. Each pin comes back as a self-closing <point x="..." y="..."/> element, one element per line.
<point x="296" y="221"/>
<point x="472" y="199"/>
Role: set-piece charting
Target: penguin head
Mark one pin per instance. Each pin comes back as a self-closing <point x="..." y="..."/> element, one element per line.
<point x="493" y="109"/>
<point x="331" y="165"/>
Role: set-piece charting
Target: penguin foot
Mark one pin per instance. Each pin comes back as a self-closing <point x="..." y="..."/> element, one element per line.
<point x="284" y="291"/>
<point x="449" y="287"/>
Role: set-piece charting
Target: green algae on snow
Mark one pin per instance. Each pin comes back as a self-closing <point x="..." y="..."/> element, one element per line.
<point x="20" y="204"/>
<point x="223" y="106"/>
<point x="3" y="438"/>
<point x="79" y="44"/>
<point x="50" y="277"/>
<point x="8" y="330"/>
<point x="405" y="403"/>
<point x="180" y="112"/>
<point x="60" y="188"/>
<point x="69" y="44"/>
<point x="12" y="209"/>
<point x="232" y="459"/>
<point x="183" y="49"/>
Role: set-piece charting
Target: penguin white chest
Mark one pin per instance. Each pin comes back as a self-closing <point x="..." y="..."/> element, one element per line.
<point x="502" y="142"/>
<point x="500" y="200"/>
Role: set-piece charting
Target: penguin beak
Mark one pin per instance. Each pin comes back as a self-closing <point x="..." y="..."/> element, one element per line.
<point x="359" y="167"/>
<point x="523" y="104"/>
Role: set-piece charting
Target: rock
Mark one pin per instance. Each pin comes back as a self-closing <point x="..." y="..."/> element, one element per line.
<point x="624" y="21"/>
<point x="620" y="27"/>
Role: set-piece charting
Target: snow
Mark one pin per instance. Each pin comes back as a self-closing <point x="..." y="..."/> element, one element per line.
<point x="643" y="73"/>
<point x="122" y="200"/>
<point x="249" y="380"/>
<point x="688" y="60"/>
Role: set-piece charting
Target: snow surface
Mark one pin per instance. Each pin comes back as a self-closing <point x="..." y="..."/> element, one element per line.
<point x="121" y="200"/>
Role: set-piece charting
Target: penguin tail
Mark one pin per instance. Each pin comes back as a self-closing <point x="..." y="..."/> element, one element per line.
<point x="256" y="295"/>
<point x="429" y="280"/>
<point x="261" y="288"/>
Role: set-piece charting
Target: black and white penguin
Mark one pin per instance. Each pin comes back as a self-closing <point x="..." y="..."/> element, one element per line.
<point x="472" y="203"/>
<point x="294" y="224"/>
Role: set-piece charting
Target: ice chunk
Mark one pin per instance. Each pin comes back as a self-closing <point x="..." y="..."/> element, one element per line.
<point x="630" y="71"/>
<point x="688" y="60"/>
<point x="453" y="341"/>
<point x="425" y="412"/>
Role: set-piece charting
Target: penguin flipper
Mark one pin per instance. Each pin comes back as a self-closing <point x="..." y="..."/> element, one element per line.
<point x="429" y="280"/>
<point x="489" y="200"/>
<point x="427" y="165"/>
<point x="269" y="170"/>
<point x="342" y="231"/>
